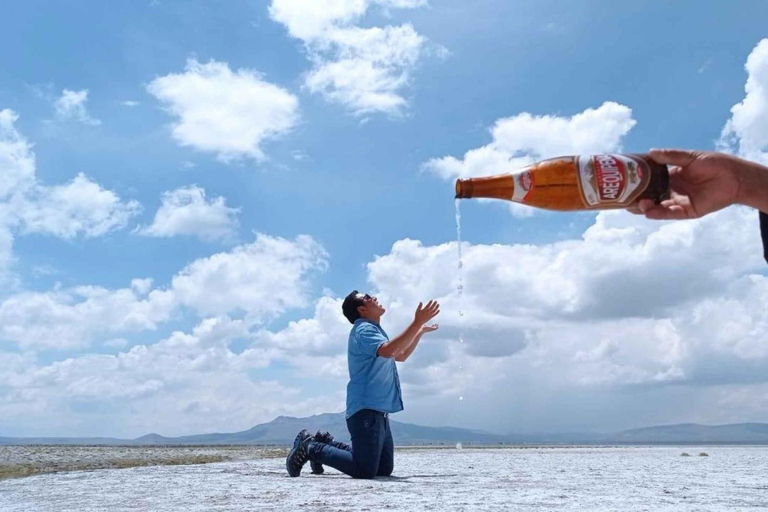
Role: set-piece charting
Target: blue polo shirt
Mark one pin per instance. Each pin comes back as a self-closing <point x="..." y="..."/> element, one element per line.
<point x="373" y="380"/>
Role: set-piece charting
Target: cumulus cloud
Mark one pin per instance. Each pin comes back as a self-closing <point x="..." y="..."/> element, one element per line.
<point x="325" y="334"/>
<point x="71" y="106"/>
<point x="187" y="383"/>
<point x="629" y="309"/>
<point x="78" y="208"/>
<point x="746" y="132"/>
<point x="186" y="211"/>
<point x="70" y="318"/>
<point x="17" y="160"/>
<point x="632" y="303"/>
<point x="364" y="69"/>
<point x="522" y="139"/>
<point x="259" y="281"/>
<point x="309" y="21"/>
<point x="230" y="113"/>
<point x="262" y="279"/>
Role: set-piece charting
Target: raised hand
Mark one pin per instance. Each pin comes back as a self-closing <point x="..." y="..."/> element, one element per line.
<point x="429" y="328"/>
<point x="426" y="313"/>
<point x="700" y="182"/>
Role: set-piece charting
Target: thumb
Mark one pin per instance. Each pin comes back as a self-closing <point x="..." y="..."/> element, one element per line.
<point x="679" y="157"/>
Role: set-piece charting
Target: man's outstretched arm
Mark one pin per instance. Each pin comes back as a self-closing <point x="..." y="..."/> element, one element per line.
<point x="406" y="353"/>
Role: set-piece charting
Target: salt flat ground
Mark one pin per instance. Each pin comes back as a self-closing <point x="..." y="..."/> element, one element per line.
<point x="552" y="478"/>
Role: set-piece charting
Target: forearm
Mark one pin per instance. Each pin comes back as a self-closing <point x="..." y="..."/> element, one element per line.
<point x="753" y="184"/>
<point x="398" y="344"/>
<point x="408" y="350"/>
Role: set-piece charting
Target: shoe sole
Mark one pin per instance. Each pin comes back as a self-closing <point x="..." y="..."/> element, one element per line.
<point x="291" y="454"/>
<point x="288" y="466"/>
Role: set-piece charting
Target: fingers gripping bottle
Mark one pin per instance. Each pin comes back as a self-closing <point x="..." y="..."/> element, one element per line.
<point x="596" y="182"/>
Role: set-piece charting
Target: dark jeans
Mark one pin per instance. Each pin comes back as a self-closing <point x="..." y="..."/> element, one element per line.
<point x="373" y="451"/>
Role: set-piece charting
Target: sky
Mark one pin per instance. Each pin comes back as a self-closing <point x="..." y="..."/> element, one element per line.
<point x="189" y="189"/>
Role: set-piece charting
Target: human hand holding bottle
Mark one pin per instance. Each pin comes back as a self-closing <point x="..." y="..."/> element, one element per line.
<point x="702" y="182"/>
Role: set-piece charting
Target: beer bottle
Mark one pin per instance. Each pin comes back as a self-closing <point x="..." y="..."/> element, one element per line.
<point x="596" y="182"/>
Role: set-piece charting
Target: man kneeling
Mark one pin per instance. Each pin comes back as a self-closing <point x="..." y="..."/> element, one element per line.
<point x="373" y="393"/>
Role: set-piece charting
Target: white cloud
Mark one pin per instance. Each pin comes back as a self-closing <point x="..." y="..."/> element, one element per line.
<point x="525" y="138"/>
<point x="520" y="140"/>
<point x="323" y="335"/>
<point x="70" y="318"/>
<point x="6" y="252"/>
<point x="369" y="69"/>
<point x="187" y="383"/>
<point x="568" y="328"/>
<point x="746" y="132"/>
<point x="17" y="160"/>
<point x="310" y="20"/>
<point x="185" y="211"/>
<point x="71" y="106"/>
<point x="260" y="280"/>
<point x="228" y="113"/>
<point x="364" y="69"/>
<point x="80" y="207"/>
<point x="17" y="176"/>
<point x="130" y="103"/>
<point x="631" y="303"/>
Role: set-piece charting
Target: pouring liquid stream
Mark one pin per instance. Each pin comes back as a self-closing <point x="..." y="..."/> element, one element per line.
<point x="460" y="285"/>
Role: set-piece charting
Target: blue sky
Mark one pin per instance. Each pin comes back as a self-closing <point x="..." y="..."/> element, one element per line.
<point x="258" y="160"/>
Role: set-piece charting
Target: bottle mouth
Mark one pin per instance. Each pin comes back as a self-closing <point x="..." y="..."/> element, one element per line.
<point x="501" y="186"/>
<point x="464" y="189"/>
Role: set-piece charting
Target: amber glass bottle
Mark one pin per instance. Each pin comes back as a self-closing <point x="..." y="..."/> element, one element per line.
<point x="596" y="182"/>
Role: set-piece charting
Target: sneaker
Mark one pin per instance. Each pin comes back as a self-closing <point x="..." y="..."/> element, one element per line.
<point x="320" y="437"/>
<point x="298" y="456"/>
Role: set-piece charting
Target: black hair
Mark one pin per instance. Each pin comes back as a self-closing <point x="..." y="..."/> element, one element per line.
<point x="350" y="305"/>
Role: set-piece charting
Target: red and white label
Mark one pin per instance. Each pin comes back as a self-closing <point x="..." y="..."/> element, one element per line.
<point x="526" y="181"/>
<point x="611" y="175"/>
<point x="612" y="180"/>
<point x="524" y="184"/>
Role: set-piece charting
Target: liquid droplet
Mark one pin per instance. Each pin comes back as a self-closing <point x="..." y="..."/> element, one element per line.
<point x="459" y="446"/>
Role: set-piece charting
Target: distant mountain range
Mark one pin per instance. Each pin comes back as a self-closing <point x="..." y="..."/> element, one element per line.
<point x="282" y="430"/>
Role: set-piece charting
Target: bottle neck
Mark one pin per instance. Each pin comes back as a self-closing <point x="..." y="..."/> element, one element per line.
<point x="501" y="186"/>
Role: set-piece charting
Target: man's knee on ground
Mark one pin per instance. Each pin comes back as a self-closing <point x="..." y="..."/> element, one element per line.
<point x="385" y="469"/>
<point x="365" y="474"/>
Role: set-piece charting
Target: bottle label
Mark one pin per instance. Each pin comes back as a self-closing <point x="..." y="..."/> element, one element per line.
<point x="524" y="183"/>
<point x="612" y="180"/>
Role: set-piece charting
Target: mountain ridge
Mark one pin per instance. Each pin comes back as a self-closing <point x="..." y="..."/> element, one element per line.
<point x="283" y="429"/>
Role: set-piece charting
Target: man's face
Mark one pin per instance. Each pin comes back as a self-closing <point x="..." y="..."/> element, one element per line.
<point x="371" y="306"/>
